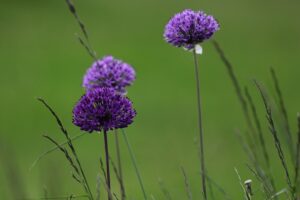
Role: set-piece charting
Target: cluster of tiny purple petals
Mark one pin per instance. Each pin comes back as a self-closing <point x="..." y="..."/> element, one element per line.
<point x="103" y="109"/>
<point x="188" y="28"/>
<point x="109" y="72"/>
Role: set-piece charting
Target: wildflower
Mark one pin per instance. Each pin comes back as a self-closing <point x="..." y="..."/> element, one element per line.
<point x="109" y="72"/>
<point x="103" y="109"/>
<point x="190" y="28"/>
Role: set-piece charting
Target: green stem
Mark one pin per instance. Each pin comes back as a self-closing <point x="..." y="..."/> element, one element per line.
<point x="107" y="165"/>
<point x="200" y="126"/>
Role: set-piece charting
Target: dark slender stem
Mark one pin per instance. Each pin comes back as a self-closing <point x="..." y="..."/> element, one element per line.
<point x="261" y="139"/>
<point x="53" y="149"/>
<point x="274" y="133"/>
<point x="288" y="136"/>
<point x="200" y="126"/>
<point x="297" y="166"/>
<point x="187" y="184"/>
<point x="119" y="166"/>
<point x="107" y="164"/>
<point x="70" y="144"/>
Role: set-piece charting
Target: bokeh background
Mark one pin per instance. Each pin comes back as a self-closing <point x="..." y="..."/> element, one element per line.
<point x="41" y="57"/>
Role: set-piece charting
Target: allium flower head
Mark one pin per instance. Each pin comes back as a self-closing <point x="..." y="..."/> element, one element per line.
<point x="103" y="109"/>
<point x="189" y="28"/>
<point x="109" y="72"/>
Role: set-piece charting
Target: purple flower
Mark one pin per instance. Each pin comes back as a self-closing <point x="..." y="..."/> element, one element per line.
<point x="189" y="28"/>
<point x="103" y="109"/>
<point x="109" y="72"/>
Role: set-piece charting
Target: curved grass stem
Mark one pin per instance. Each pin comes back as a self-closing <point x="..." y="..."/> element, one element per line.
<point x="134" y="164"/>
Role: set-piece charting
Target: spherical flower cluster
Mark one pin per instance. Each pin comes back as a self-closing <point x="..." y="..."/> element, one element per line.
<point x="109" y="72"/>
<point x="103" y="109"/>
<point x="189" y="28"/>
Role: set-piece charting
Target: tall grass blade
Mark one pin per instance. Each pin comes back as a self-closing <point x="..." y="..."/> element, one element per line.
<point x="261" y="178"/>
<point x="187" y="184"/>
<point x="258" y="172"/>
<point x="109" y="192"/>
<point x="164" y="190"/>
<point x="117" y="175"/>
<point x="247" y="196"/>
<point x="65" y="152"/>
<point x="70" y="144"/>
<point x="283" y="191"/>
<point x="134" y="164"/>
<point x="282" y="106"/>
<point x="102" y="168"/>
<point x="211" y="190"/>
<point x="120" y="172"/>
<point x="259" y="129"/>
<point x="86" y="44"/>
<point x="273" y="131"/>
<point x="72" y="196"/>
<point x="297" y="166"/>
<point x="235" y="83"/>
<point x="98" y="187"/>
<point x="219" y="188"/>
<point x="80" y="23"/>
<point x="90" y="51"/>
<point x="261" y="138"/>
<point x="53" y="149"/>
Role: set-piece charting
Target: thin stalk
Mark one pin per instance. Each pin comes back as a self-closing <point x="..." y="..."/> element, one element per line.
<point x="70" y="144"/>
<point x="261" y="138"/>
<point x="247" y="195"/>
<point x="219" y="188"/>
<point x="98" y="187"/>
<point x="134" y="164"/>
<point x="106" y="188"/>
<point x="257" y="171"/>
<point x="259" y="130"/>
<point x="81" y="169"/>
<point x="72" y="196"/>
<point x="283" y="109"/>
<point x="297" y="166"/>
<point x="164" y="190"/>
<point x="187" y="184"/>
<point x="235" y="83"/>
<point x="122" y="189"/>
<point x="53" y="149"/>
<point x="274" y="133"/>
<point x="200" y="126"/>
<point x="107" y="164"/>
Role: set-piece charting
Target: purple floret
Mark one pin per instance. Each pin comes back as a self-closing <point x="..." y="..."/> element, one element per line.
<point x="188" y="28"/>
<point x="109" y="72"/>
<point x="103" y="109"/>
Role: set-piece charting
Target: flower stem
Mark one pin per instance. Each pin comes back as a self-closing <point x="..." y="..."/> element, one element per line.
<point x="107" y="164"/>
<point x="200" y="126"/>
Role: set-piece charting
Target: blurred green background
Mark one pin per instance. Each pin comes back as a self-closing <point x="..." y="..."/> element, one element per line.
<point x="41" y="57"/>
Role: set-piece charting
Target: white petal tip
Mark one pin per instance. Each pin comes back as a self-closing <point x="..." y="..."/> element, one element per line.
<point x="198" y="49"/>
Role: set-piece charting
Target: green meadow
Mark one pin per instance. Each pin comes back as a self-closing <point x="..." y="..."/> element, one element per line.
<point x="41" y="57"/>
